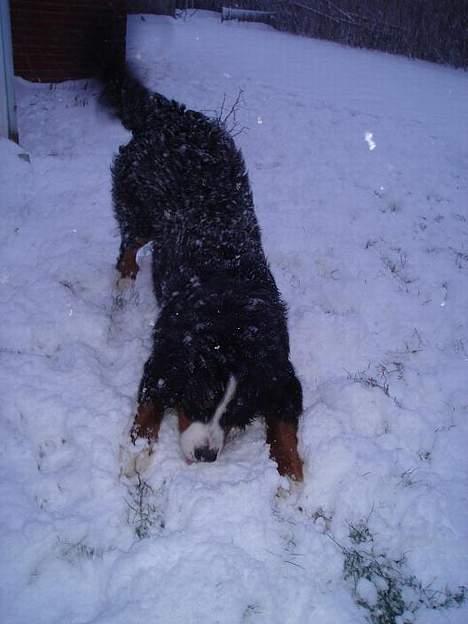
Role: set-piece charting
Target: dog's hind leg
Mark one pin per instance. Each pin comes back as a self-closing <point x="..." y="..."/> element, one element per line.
<point x="282" y="438"/>
<point x="127" y="267"/>
<point x="127" y="264"/>
<point x="133" y="219"/>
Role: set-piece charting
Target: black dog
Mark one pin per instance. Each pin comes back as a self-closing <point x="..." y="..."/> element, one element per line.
<point x="221" y="348"/>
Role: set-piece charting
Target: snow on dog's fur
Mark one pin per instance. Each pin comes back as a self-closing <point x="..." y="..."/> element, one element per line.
<point x="221" y="349"/>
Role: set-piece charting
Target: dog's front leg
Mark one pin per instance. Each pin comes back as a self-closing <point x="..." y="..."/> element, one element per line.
<point x="147" y="421"/>
<point x="135" y="461"/>
<point x="282" y="438"/>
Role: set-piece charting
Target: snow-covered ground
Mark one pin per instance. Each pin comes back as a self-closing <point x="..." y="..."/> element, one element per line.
<point x="358" y="164"/>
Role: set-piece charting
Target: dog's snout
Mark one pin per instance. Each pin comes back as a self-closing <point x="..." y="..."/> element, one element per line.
<point x="205" y="454"/>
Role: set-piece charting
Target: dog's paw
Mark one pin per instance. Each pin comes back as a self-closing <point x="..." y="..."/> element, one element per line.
<point x="135" y="461"/>
<point x="289" y="488"/>
<point x="125" y="293"/>
<point x="124" y="283"/>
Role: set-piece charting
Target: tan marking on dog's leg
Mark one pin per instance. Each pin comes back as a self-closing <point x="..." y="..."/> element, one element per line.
<point x="147" y="422"/>
<point x="127" y="264"/>
<point x="184" y="422"/>
<point x="282" y="438"/>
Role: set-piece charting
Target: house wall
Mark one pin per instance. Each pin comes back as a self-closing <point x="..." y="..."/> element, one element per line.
<point x="155" y="7"/>
<point x="55" y="40"/>
<point x="8" y="125"/>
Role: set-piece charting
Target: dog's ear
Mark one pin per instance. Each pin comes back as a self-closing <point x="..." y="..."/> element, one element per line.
<point x="163" y="380"/>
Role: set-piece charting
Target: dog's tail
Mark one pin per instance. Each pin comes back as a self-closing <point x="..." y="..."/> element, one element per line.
<point x="126" y="96"/>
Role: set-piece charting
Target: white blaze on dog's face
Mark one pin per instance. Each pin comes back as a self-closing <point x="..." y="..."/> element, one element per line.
<point x="203" y="441"/>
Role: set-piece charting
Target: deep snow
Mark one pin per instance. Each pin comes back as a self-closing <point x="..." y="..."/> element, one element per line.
<point x="358" y="165"/>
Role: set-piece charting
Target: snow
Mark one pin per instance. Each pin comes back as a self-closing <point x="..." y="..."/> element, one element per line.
<point x="358" y="165"/>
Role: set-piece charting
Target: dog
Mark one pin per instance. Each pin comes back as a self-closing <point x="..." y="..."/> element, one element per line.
<point x="220" y="353"/>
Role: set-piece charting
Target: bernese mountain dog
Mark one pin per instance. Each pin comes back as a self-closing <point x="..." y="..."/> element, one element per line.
<point x="220" y="352"/>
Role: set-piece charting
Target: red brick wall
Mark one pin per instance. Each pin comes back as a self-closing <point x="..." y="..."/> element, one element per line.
<point x="56" y="40"/>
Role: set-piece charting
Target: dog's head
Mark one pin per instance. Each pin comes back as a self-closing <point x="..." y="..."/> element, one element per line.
<point x="220" y="370"/>
<point x="210" y="402"/>
<point x="202" y="434"/>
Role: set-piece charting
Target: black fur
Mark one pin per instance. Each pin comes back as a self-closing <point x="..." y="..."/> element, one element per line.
<point x="182" y="183"/>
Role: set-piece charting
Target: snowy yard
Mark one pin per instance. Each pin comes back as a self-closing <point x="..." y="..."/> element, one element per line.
<point x="358" y="162"/>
